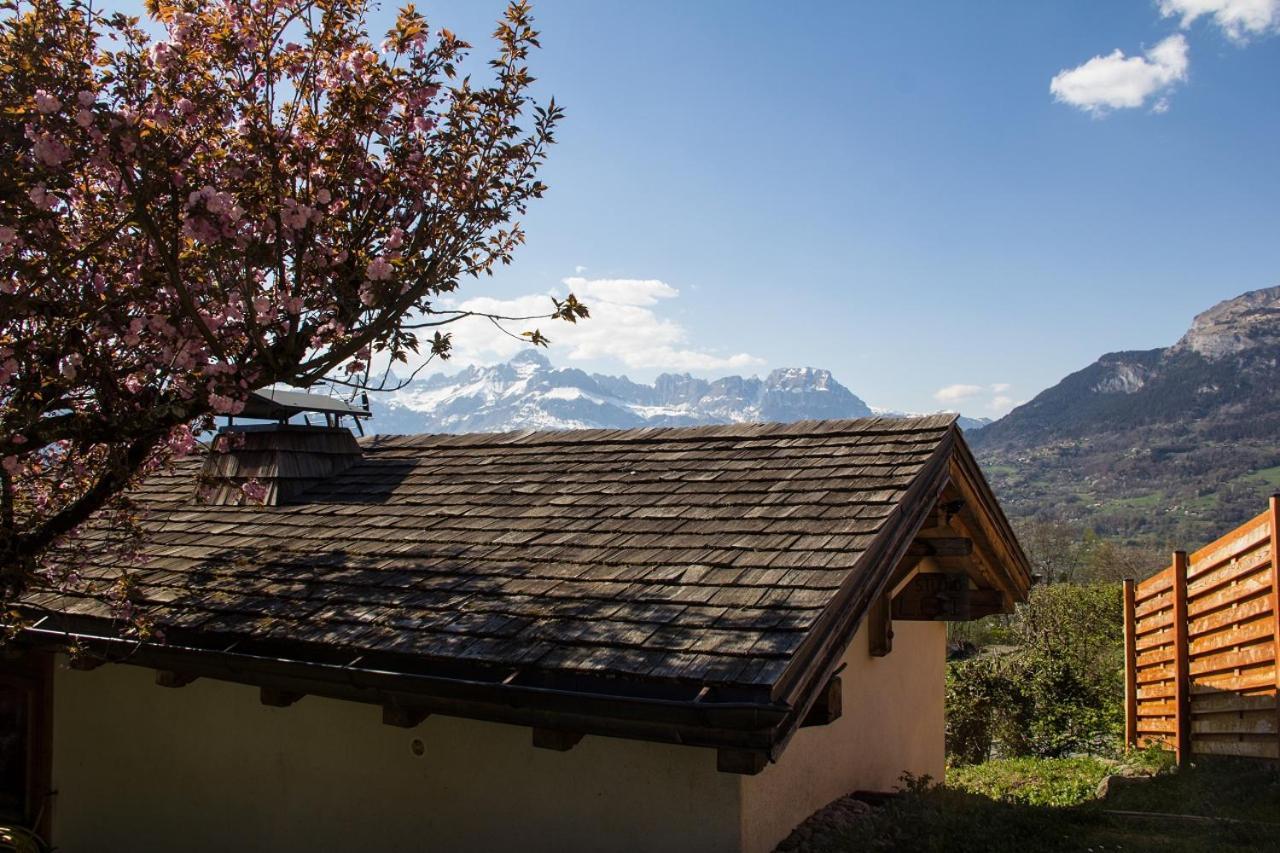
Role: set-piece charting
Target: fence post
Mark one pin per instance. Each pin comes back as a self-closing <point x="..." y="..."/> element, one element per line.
<point x="1181" y="668"/>
<point x="1274" y="512"/>
<point x="1130" y="667"/>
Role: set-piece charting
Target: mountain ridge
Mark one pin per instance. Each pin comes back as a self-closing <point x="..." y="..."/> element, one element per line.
<point x="1151" y="442"/>
<point x="528" y="392"/>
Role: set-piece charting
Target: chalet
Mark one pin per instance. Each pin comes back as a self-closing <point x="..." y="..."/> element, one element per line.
<point x="653" y="639"/>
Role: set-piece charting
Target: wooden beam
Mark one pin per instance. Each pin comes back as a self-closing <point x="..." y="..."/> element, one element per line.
<point x="740" y="761"/>
<point x="880" y="625"/>
<point x="905" y="567"/>
<point x="940" y="517"/>
<point x="560" y="741"/>
<point x="402" y="717"/>
<point x="169" y="678"/>
<point x="1181" y="670"/>
<point x="986" y="602"/>
<point x="941" y="546"/>
<point x="933" y="597"/>
<point x="276" y="698"/>
<point x="990" y="531"/>
<point x="1130" y="667"/>
<point x="828" y="707"/>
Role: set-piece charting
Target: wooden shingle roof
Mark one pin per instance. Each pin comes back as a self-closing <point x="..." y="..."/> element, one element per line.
<point x="654" y="562"/>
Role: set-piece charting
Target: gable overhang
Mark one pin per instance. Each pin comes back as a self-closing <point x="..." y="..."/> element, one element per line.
<point x="950" y="501"/>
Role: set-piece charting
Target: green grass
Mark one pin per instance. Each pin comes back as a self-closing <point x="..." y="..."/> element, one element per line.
<point x="1032" y="781"/>
<point x="1267" y="476"/>
<point x="1022" y="805"/>
<point x="1143" y="502"/>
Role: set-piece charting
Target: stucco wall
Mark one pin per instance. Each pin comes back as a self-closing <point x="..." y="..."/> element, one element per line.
<point x="893" y="721"/>
<point x="207" y="768"/>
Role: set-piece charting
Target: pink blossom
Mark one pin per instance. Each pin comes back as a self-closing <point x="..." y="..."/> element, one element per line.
<point x="182" y="441"/>
<point x="42" y="198"/>
<point x="254" y="491"/>
<point x="163" y="54"/>
<point x="224" y="405"/>
<point x="396" y="239"/>
<point x="11" y="464"/>
<point x="49" y="150"/>
<point x="47" y="103"/>
<point x="85" y="97"/>
<point x="294" y="215"/>
<point x="379" y="269"/>
<point x="84" y="118"/>
<point x="185" y="106"/>
<point x="322" y="196"/>
<point x="8" y="234"/>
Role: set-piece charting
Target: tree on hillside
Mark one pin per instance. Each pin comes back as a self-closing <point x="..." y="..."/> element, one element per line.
<point x="260" y="195"/>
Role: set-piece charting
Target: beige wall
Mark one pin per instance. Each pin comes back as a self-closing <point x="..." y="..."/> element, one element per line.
<point x="893" y="721"/>
<point x="208" y="768"/>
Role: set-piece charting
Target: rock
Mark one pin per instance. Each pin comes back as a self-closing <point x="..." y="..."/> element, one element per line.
<point x="1124" y="778"/>
<point x="824" y="826"/>
<point x="1249" y="320"/>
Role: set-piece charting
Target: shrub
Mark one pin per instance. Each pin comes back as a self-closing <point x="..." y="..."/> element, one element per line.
<point x="1060" y="688"/>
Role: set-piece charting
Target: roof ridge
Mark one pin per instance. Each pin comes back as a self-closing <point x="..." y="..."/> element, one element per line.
<point x="766" y="430"/>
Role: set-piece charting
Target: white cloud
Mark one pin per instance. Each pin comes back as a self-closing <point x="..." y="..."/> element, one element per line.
<point x="1239" y="19"/>
<point x="1116" y="81"/>
<point x="623" y="326"/>
<point x="579" y="269"/>
<point x="956" y="393"/>
<point x="991" y="398"/>
<point x="621" y="291"/>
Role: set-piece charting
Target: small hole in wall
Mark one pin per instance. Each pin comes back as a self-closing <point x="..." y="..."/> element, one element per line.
<point x="418" y="747"/>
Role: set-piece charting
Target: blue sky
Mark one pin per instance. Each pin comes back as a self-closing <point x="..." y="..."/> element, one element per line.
<point x="891" y="190"/>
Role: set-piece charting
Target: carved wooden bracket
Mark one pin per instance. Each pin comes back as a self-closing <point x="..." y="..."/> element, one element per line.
<point x="944" y="597"/>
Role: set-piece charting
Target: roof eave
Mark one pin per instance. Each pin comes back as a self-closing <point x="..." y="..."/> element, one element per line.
<point x="736" y="725"/>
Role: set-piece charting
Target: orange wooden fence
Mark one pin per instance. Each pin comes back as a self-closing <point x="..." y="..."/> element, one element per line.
<point x="1202" y="640"/>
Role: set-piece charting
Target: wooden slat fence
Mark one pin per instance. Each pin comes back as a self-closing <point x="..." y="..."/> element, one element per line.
<point x="1202" y="640"/>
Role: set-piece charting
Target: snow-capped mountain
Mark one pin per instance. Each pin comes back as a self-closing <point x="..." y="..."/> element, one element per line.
<point x="966" y="423"/>
<point x="527" y="392"/>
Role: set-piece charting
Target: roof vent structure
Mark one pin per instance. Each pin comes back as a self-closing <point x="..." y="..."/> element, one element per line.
<point x="275" y="463"/>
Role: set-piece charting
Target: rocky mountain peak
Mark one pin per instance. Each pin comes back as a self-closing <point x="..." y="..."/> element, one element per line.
<point x="532" y="357"/>
<point x="1146" y="442"/>
<point x="1245" y="322"/>
<point x="529" y="392"/>
<point x="800" y="377"/>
